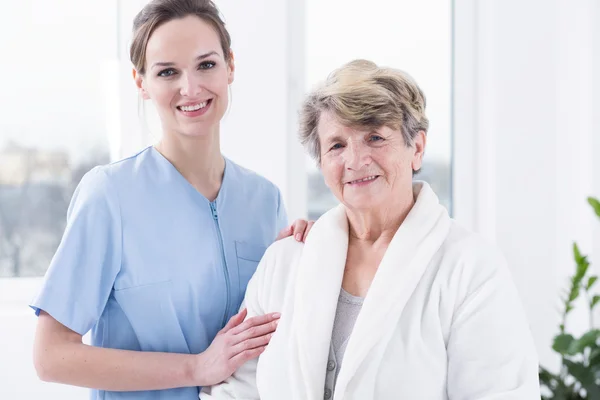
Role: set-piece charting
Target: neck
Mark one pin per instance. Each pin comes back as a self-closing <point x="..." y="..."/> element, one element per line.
<point x="198" y="159"/>
<point x="379" y="224"/>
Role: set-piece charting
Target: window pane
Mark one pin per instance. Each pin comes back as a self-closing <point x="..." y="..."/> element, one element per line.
<point x="403" y="34"/>
<point x="53" y="117"/>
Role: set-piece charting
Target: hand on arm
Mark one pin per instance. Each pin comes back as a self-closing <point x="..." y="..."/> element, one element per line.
<point x="61" y="356"/>
<point x="239" y="341"/>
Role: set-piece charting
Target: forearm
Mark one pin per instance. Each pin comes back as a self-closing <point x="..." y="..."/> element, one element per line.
<point x="115" y="370"/>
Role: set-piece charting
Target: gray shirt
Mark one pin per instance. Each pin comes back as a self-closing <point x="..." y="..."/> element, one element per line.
<point x="345" y="316"/>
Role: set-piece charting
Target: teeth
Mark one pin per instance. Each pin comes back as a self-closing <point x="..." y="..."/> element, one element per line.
<point x="195" y="107"/>
<point x="369" y="178"/>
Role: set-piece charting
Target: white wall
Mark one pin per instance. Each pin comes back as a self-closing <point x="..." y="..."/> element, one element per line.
<point x="526" y="128"/>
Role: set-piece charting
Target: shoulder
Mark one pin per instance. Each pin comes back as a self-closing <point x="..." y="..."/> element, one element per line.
<point x="276" y="269"/>
<point x="94" y="186"/>
<point x="94" y="198"/>
<point x="126" y="168"/>
<point x="284" y="251"/>
<point x="280" y="258"/>
<point x="251" y="179"/>
<point x="468" y="245"/>
<point x="473" y="274"/>
<point x="467" y="258"/>
<point x="102" y="186"/>
<point x="131" y="175"/>
<point x="113" y="173"/>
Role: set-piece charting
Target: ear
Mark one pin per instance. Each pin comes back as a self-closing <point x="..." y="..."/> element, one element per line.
<point x="419" y="150"/>
<point x="231" y="68"/>
<point x="139" y="82"/>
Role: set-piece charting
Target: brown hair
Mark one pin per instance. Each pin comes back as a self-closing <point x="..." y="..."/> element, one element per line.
<point x="158" y="12"/>
<point x="362" y="94"/>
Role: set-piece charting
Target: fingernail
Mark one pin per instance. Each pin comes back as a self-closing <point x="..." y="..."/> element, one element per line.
<point x="276" y="315"/>
<point x="298" y="236"/>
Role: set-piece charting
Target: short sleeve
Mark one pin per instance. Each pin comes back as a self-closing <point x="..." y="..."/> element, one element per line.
<point x="282" y="218"/>
<point x="81" y="275"/>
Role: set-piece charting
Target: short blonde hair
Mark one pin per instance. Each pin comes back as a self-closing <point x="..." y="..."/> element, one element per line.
<point x="362" y="94"/>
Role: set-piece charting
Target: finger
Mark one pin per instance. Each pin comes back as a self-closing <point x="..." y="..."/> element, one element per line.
<point x="235" y="321"/>
<point x="255" y="332"/>
<point x="250" y="344"/>
<point x="255" y="321"/>
<point x="309" y="226"/>
<point x="299" y="228"/>
<point x="247" y="355"/>
<point x="285" y="232"/>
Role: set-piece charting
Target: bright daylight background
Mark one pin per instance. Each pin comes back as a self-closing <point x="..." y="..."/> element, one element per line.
<point x="513" y="101"/>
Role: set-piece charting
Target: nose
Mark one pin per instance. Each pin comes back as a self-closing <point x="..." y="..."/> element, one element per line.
<point x="191" y="85"/>
<point x="357" y="155"/>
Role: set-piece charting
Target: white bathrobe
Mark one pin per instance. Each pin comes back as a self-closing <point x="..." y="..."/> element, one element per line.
<point x="442" y="318"/>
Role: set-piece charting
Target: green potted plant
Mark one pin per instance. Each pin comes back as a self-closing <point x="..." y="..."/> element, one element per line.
<point x="579" y="376"/>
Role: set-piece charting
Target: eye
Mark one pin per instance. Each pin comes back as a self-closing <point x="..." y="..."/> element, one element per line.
<point x="336" y="146"/>
<point x="167" y="72"/>
<point x="207" y="65"/>
<point x="375" y="138"/>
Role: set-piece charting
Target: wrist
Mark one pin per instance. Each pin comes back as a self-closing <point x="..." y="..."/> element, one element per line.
<point x="197" y="370"/>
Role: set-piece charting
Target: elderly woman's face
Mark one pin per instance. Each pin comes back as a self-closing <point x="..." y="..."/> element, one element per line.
<point x="367" y="169"/>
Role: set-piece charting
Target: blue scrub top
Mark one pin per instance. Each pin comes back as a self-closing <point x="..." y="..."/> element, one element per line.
<point x="147" y="263"/>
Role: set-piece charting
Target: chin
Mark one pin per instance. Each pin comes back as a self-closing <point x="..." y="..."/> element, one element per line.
<point x="362" y="203"/>
<point x="196" y="130"/>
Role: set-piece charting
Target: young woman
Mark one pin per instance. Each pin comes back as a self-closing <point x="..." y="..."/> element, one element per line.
<point x="159" y="247"/>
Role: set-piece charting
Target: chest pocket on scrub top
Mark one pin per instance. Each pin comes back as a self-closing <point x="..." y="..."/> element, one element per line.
<point x="248" y="256"/>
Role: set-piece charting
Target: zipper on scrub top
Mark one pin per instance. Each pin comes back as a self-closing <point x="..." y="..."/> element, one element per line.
<point x="213" y="208"/>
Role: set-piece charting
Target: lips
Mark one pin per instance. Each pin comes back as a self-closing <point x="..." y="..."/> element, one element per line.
<point x="194" y="107"/>
<point x="363" y="180"/>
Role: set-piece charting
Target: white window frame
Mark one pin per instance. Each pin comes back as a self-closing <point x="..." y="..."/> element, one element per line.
<point x="473" y="175"/>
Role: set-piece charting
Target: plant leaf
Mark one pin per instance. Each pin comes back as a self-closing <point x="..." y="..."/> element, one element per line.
<point x="574" y="294"/>
<point x="562" y="343"/>
<point x="548" y="379"/>
<point x="556" y="386"/>
<point x="595" y="205"/>
<point x="589" y="339"/>
<point x="595" y="359"/>
<point x="582" y="268"/>
<point x="591" y="282"/>
<point x="582" y="265"/>
<point x="595" y="301"/>
<point x="576" y="252"/>
<point x="568" y="309"/>
<point x="585" y="376"/>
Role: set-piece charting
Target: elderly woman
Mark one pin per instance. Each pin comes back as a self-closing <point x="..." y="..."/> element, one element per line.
<point x="389" y="298"/>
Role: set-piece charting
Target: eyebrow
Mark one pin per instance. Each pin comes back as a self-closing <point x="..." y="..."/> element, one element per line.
<point x="200" y="57"/>
<point x="333" y="138"/>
